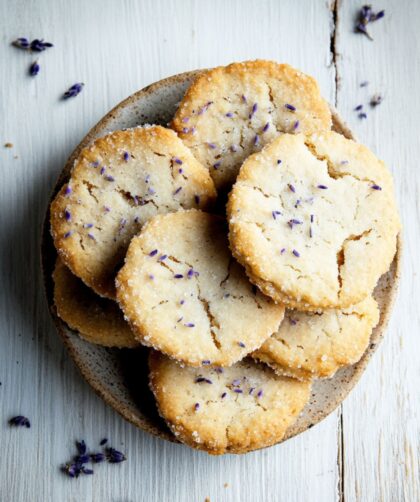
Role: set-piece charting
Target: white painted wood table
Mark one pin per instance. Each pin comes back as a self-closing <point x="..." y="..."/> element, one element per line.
<point x="368" y="450"/>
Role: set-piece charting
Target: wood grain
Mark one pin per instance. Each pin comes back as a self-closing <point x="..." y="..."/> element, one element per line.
<point x="370" y="451"/>
<point x="380" y="424"/>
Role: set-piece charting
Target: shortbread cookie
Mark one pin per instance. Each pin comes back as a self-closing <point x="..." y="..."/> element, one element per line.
<point x="226" y="410"/>
<point x="230" y="112"/>
<point x="315" y="345"/>
<point x="314" y="220"/>
<point x="185" y="295"/>
<point x="117" y="184"/>
<point x="98" y="320"/>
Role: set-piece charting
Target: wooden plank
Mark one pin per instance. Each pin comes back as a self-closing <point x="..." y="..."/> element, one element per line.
<point x="116" y="48"/>
<point x="381" y="432"/>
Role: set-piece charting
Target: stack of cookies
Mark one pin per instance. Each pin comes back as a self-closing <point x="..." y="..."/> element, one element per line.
<point x="241" y="308"/>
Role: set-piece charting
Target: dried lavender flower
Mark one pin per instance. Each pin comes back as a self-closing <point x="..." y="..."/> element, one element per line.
<point x="97" y="458"/>
<point x="21" y="43"/>
<point x="294" y="222"/>
<point x="202" y="379"/>
<point x="38" y="45"/>
<point x="376" y="100"/>
<point x="253" y="110"/>
<point x="20" y="421"/>
<point x="81" y="447"/>
<point x="74" y="90"/>
<point x="34" y="69"/>
<point x="114" y="456"/>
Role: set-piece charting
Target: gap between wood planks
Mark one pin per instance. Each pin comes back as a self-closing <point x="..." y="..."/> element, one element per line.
<point x="334" y="9"/>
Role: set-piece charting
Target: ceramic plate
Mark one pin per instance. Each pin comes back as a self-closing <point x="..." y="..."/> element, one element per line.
<point x="120" y="376"/>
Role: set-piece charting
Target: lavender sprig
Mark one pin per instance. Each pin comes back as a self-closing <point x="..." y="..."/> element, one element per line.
<point x="366" y="16"/>
<point x="74" y="90"/>
<point x="77" y="466"/>
<point x="37" y="45"/>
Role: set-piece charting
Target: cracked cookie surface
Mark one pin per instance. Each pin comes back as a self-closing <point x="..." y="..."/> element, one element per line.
<point x="118" y="183"/>
<point x="315" y="345"/>
<point x="186" y="296"/>
<point x="314" y="220"/>
<point x="226" y="410"/>
<point x="231" y="112"/>
<point x="98" y="320"/>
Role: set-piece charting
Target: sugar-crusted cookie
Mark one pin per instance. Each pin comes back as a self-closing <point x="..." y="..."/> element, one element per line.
<point x="315" y="345"/>
<point x="230" y="112"/>
<point x="314" y="220"/>
<point x="185" y="295"/>
<point x="226" y="410"/>
<point x="117" y="184"/>
<point x="98" y="320"/>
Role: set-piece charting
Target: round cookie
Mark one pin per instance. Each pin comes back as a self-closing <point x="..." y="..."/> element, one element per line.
<point x="314" y="220"/>
<point x="315" y="345"/>
<point x="230" y="112"/>
<point x="97" y="319"/>
<point x="186" y="296"/>
<point x="226" y="410"/>
<point x="117" y="184"/>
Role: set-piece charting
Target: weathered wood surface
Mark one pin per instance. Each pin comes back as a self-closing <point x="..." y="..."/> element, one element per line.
<point x="366" y="451"/>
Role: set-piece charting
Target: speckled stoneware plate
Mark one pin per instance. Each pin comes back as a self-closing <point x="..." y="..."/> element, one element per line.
<point x="120" y="376"/>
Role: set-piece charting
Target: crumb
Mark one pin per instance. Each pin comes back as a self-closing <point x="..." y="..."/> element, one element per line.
<point x="207" y="499"/>
<point x="226" y="485"/>
<point x="8" y="145"/>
